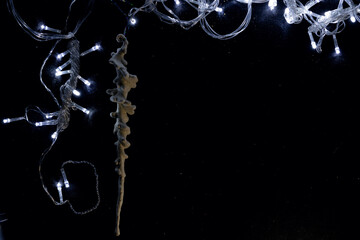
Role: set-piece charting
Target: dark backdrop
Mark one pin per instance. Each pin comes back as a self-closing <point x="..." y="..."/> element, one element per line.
<point x="250" y="138"/>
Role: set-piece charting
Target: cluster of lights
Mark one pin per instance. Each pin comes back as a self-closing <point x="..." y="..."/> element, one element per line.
<point x="65" y="183"/>
<point x="59" y="71"/>
<point x="61" y="118"/>
<point x="330" y="23"/>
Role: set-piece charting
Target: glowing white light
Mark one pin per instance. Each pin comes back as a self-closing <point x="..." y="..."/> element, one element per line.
<point x="272" y="4"/>
<point x="84" y="110"/>
<point x="51" y="115"/>
<point x="46" y="123"/>
<point x="177" y="2"/>
<point x="96" y="47"/>
<point x="76" y="93"/>
<point x="6" y="120"/>
<point x="61" y="55"/>
<point x="63" y="66"/>
<point x="352" y="19"/>
<point x="66" y="182"/>
<point x="313" y="45"/>
<point x="92" y="49"/>
<point x="46" y="28"/>
<point x="288" y="17"/>
<point x="54" y="135"/>
<point x="218" y="10"/>
<point x="59" y="188"/>
<point x="9" y="120"/>
<point x="337" y="50"/>
<point x="59" y="72"/>
<point x="86" y="82"/>
<point x="132" y="21"/>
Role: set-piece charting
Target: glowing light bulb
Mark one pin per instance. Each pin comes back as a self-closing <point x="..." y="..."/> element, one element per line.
<point x="59" y="188"/>
<point x="132" y="21"/>
<point x="86" y="82"/>
<point x="177" y="2"/>
<point x="63" y="66"/>
<point x="46" y="123"/>
<point x="66" y="182"/>
<point x="9" y="120"/>
<point x="61" y="55"/>
<point x="352" y="18"/>
<point x="76" y="93"/>
<point x="84" y="110"/>
<point x="92" y="49"/>
<point x="54" y="135"/>
<point x="58" y="72"/>
<point x="51" y="115"/>
<point x="313" y="45"/>
<point x="218" y="10"/>
<point x="272" y="4"/>
<point x="337" y="50"/>
<point x="43" y="27"/>
<point x="289" y="16"/>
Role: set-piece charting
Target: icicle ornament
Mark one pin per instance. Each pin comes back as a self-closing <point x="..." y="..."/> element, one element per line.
<point x="124" y="83"/>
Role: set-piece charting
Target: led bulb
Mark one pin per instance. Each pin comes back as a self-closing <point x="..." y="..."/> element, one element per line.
<point x="6" y="120"/>
<point x="66" y="182"/>
<point x="61" y="55"/>
<point x="59" y="188"/>
<point x="84" y="110"/>
<point x="54" y="135"/>
<point x="337" y="50"/>
<point x="58" y="72"/>
<point x="46" y="123"/>
<point x="218" y="10"/>
<point x="313" y="45"/>
<point x="62" y="66"/>
<point x="352" y="18"/>
<point x="272" y="4"/>
<point x="43" y="27"/>
<point x="132" y="21"/>
<point x="9" y="120"/>
<point x="76" y="93"/>
<point x="86" y="82"/>
<point x="92" y="49"/>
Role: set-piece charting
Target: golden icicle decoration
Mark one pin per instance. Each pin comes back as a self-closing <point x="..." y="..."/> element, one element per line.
<point x="124" y="82"/>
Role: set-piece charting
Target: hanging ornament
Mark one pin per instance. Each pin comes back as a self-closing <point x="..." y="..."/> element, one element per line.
<point x="124" y="83"/>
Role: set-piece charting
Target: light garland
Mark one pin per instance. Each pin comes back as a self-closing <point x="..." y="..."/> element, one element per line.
<point x="330" y="23"/>
<point x="61" y="117"/>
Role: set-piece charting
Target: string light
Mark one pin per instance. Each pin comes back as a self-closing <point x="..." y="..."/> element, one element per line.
<point x="59" y="188"/>
<point x="86" y="82"/>
<point x="66" y="182"/>
<point x="9" y="120"/>
<point x="330" y="23"/>
<point x="61" y="117"/>
<point x="61" y="55"/>
<point x="46" y="28"/>
<point x="133" y="21"/>
<point x="92" y="49"/>
<point x="272" y="4"/>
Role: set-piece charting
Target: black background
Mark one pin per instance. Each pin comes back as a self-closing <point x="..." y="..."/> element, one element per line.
<point x="255" y="137"/>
